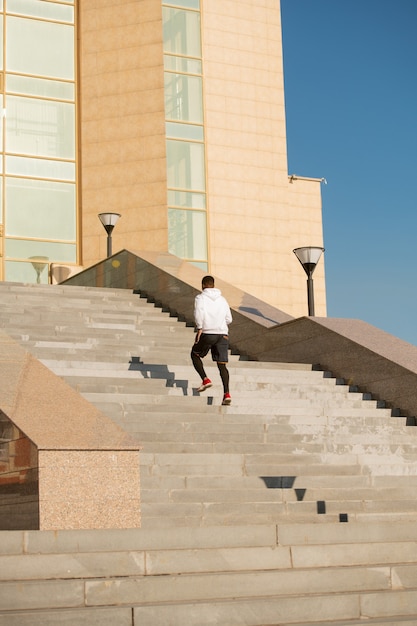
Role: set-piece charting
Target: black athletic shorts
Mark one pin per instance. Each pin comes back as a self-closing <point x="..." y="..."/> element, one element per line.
<point x="218" y="344"/>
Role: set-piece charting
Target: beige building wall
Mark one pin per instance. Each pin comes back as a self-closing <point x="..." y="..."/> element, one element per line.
<point x="122" y="125"/>
<point x="256" y="214"/>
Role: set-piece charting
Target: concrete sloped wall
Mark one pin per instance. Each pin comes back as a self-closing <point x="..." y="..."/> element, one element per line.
<point x="351" y="349"/>
<point x="82" y="469"/>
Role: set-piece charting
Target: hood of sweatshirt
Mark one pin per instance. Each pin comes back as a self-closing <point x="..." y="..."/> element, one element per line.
<point x="212" y="292"/>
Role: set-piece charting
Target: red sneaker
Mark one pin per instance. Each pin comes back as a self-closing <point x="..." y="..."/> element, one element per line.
<point x="205" y="384"/>
<point x="227" y="399"/>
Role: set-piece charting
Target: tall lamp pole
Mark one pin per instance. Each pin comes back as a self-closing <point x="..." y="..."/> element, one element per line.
<point x="109" y="222"/>
<point x="309" y="256"/>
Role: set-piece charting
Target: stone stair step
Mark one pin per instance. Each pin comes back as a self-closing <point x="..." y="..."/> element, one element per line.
<point x="348" y="586"/>
<point x="261" y="407"/>
<point x="344" y="499"/>
<point x="163" y="562"/>
<point x="273" y="483"/>
<point x="162" y="431"/>
<point x="305" y="454"/>
<point x="239" y="536"/>
<point x="228" y="612"/>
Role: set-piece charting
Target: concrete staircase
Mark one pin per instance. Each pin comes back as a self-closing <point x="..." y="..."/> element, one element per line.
<point x="295" y="505"/>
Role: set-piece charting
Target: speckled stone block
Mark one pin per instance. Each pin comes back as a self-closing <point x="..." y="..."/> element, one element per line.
<point x="89" y="489"/>
<point x="87" y="466"/>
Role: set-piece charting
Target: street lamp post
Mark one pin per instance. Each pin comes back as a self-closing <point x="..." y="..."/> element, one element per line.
<point x="109" y="222"/>
<point x="309" y="256"/>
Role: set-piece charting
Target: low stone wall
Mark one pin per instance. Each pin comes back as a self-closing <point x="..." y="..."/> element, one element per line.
<point x="63" y="464"/>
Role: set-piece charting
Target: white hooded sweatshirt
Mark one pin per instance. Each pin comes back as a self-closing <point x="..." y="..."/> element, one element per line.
<point x="212" y="312"/>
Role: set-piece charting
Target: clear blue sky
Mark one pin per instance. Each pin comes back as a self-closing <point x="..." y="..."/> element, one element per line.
<point x="350" y="71"/>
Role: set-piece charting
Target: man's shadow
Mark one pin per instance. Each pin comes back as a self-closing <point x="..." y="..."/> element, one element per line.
<point x="158" y="371"/>
<point x="161" y="372"/>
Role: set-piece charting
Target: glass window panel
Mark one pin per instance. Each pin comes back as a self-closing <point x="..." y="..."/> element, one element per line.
<point x="185" y="165"/>
<point x="191" y="4"/>
<point x="40" y="87"/>
<point x="181" y="32"/>
<point x="35" y="8"/>
<point x="40" y="208"/>
<point x="40" y="127"/>
<point x="40" y="168"/>
<point x="186" y="199"/>
<point x="53" y="251"/>
<point x="187" y="234"/>
<point x="182" y="64"/>
<point x="183" y="98"/>
<point x="42" y="48"/>
<point x="185" y="131"/>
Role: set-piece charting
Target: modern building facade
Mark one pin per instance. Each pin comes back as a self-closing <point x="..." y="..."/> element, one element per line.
<point x="170" y="113"/>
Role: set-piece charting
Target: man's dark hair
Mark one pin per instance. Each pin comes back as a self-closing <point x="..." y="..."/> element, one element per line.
<point x="208" y="281"/>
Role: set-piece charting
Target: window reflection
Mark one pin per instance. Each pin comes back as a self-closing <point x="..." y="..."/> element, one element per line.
<point x="183" y="98"/>
<point x="187" y="234"/>
<point x="185" y="164"/>
<point x="38" y="47"/>
<point x="40" y="127"/>
<point x="181" y="32"/>
<point x="41" y="9"/>
<point x="40" y="208"/>
<point x="40" y="168"/>
<point x="187" y="229"/>
<point x="40" y="218"/>
<point x="40" y="87"/>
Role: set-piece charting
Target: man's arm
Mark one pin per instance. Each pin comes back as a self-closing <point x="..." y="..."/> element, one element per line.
<point x="199" y="312"/>
<point x="228" y="316"/>
<point x="198" y="317"/>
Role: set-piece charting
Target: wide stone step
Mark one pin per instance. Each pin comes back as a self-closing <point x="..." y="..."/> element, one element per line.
<point x="198" y="560"/>
<point x="190" y="415"/>
<point x="87" y="308"/>
<point x="166" y="483"/>
<point x="215" y="431"/>
<point x="161" y="580"/>
<point x="247" y="377"/>
<point x="236" y="613"/>
<point x="294" y="487"/>
<point x="369" y="455"/>
<point x="260" y="406"/>
<point x="104" y="329"/>
<point x="121" y="540"/>
<point x="366" y="498"/>
<point x="165" y="516"/>
<point x="235" y="465"/>
<point x="105" y="350"/>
